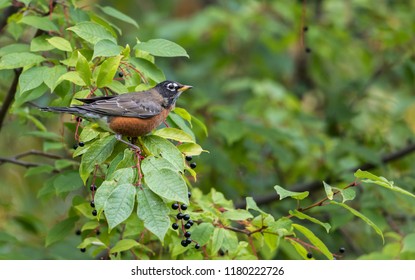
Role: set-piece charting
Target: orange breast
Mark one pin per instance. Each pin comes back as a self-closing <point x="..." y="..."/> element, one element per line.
<point x="135" y="127"/>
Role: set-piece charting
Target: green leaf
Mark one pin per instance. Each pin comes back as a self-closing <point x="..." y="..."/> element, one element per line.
<point x="118" y="15"/>
<point x="183" y="113"/>
<point x="283" y="193"/>
<point x="88" y="133"/>
<point x="148" y="68"/>
<point x="91" y="241"/>
<point x="409" y="243"/>
<point x="237" y="215"/>
<point x="51" y="75"/>
<point x="90" y="225"/>
<point x="106" y="48"/>
<point x="190" y="149"/>
<point x="361" y="216"/>
<point x="329" y="190"/>
<point x="347" y="194"/>
<point x="43" y="23"/>
<point x="123" y="175"/>
<point x="159" y="146"/>
<point x="39" y="170"/>
<point x="40" y="44"/>
<point x="124" y="245"/>
<point x="102" y="194"/>
<point x="71" y="76"/>
<point x="174" y="134"/>
<point x="152" y="210"/>
<point x="117" y="87"/>
<point x="18" y="60"/>
<point x="303" y="216"/>
<point x="119" y="205"/>
<point x="26" y="96"/>
<point x="92" y="32"/>
<point x="67" y="182"/>
<point x="217" y="239"/>
<point x="31" y="78"/>
<point x="314" y="240"/>
<point x="162" y="47"/>
<point x="251" y="204"/>
<point x="97" y="153"/>
<point x="83" y="69"/>
<point x="107" y="71"/>
<point x="299" y="248"/>
<point x="14" y="48"/>
<point x="381" y="181"/>
<point x="60" y="231"/>
<point x="167" y="184"/>
<point x="60" y="43"/>
<point x="202" y="233"/>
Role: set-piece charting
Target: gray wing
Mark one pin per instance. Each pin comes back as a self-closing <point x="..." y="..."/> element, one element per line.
<point x="140" y="105"/>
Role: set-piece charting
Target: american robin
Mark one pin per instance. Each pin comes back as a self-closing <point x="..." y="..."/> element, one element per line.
<point x="132" y="114"/>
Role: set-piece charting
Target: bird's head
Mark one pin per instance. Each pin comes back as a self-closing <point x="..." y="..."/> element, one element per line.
<point x="171" y="91"/>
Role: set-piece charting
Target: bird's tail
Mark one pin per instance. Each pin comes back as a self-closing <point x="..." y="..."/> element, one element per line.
<point x="69" y="110"/>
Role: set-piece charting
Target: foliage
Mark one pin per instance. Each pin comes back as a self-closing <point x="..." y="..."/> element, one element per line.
<point x="246" y="67"/>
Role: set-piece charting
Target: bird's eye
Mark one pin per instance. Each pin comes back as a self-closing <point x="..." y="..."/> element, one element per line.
<point x="171" y="86"/>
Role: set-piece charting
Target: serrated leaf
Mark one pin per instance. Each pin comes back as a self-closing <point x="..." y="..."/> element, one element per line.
<point x="174" y="134"/>
<point x="107" y="71"/>
<point x="329" y="190"/>
<point x="60" y="231"/>
<point x="361" y="216"/>
<point x="159" y="146"/>
<point x="52" y="74"/>
<point x="202" y="233"/>
<point x="124" y="245"/>
<point x="31" y="78"/>
<point x="167" y="184"/>
<point x="381" y="181"/>
<point x="303" y="216"/>
<point x="118" y="15"/>
<point x="153" y="212"/>
<point x="217" y="240"/>
<point x="119" y="205"/>
<point x="149" y="69"/>
<point x="283" y="193"/>
<point x="83" y="69"/>
<point x="106" y="48"/>
<point x="314" y="240"/>
<point x="190" y="149"/>
<point x="162" y="47"/>
<point x="73" y="77"/>
<point x="92" y="32"/>
<point x="97" y="153"/>
<point x="18" y="60"/>
<point x="237" y="215"/>
<point x="43" y="23"/>
<point x="60" y="43"/>
<point x="67" y="182"/>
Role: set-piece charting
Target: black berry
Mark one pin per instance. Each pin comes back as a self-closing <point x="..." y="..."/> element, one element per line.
<point x="305" y="28"/>
<point x="183" y="207"/>
<point x="97" y="232"/>
<point x="184" y="243"/>
<point x="93" y="188"/>
<point x="197" y="246"/>
<point x="175" y="206"/>
<point x="187" y="226"/>
<point x="92" y="203"/>
<point x="75" y="146"/>
<point x="78" y="232"/>
<point x="189" y="158"/>
<point x="309" y="255"/>
<point x="175" y="226"/>
<point x="189" y="194"/>
<point x="78" y="119"/>
<point x="120" y="74"/>
<point x="193" y="165"/>
<point x="94" y="212"/>
<point x="180" y="216"/>
<point x="307" y="50"/>
<point x="81" y="144"/>
<point x="83" y="250"/>
<point x="187" y="234"/>
<point x="342" y="250"/>
<point x="190" y="222"/>
<point x="186" y="217"/>
<point x="188" y="240"/>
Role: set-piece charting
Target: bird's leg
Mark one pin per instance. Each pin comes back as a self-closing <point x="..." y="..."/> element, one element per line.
<point x="134" y="147"/>
<point x="138" y="166"/>
<point x="165" y="123"/>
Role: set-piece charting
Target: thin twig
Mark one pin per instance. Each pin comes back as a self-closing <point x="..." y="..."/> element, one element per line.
<point x="8" y="100"/>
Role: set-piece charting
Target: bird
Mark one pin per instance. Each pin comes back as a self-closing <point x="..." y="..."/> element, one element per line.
<point x="132" y="114"/>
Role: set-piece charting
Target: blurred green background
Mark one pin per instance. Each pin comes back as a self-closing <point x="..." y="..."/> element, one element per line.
<point x="276" y="114"/>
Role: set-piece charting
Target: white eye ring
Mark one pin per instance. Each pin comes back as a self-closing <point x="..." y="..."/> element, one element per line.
<point x="172" y="86"/>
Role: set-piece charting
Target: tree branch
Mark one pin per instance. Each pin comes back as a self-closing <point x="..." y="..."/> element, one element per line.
<point x="9" y="97"/>
<point x="273" y="196"/>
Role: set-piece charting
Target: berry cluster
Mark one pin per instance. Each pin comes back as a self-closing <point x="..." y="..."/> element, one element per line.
<point x="192" y="164"/>
<point x="186" y="223"/>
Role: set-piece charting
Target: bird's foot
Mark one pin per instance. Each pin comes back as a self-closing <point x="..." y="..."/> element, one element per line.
<point x="132" y="146"/>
